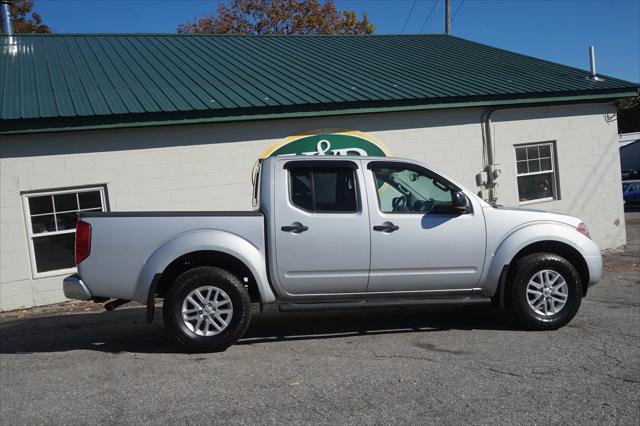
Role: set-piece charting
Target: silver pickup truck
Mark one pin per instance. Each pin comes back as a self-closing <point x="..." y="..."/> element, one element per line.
<point x="335" y="232"/>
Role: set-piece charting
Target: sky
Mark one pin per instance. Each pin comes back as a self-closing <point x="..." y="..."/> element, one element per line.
<point x="555" y="30"/>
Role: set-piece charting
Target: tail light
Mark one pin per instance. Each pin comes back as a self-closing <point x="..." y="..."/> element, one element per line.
<point x="83" y="241"/>
<point x="582" y="228"/>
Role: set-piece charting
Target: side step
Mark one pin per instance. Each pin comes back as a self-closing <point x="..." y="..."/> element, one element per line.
<point x="379" y="303"/>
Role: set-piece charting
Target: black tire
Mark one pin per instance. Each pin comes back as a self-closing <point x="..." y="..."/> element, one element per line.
<point x="524" y="269"/>
<point x="190" y="281"/>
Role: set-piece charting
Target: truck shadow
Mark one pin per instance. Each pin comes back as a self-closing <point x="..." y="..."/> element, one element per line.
<point x="125" y="330"/>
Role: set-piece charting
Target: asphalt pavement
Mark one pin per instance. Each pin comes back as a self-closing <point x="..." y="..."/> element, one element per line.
<point x="400" y="366"/>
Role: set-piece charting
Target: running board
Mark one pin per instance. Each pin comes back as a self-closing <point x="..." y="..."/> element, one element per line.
<point x="379" y="303"/>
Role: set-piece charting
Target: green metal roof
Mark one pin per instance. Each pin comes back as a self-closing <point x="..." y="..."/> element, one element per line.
<point x="67" y="82"/>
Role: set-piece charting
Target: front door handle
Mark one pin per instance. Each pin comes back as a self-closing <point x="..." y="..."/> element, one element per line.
<point x="295" y="227"/>
<point x="386" y="227"/>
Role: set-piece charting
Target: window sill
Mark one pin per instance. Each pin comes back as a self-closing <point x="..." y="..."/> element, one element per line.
<point x="56" y="273"/>
<point x="537" y="201"/>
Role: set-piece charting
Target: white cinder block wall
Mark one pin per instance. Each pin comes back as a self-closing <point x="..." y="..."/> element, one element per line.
<point x="208" y="167"/>
<point x="588" y="163"/>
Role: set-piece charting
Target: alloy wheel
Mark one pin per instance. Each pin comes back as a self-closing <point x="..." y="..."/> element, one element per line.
<point x="207" y="311"/>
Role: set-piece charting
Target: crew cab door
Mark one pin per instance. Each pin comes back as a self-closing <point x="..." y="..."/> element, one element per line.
<point x="321" y="227"/>
<point x="419" y="242"/>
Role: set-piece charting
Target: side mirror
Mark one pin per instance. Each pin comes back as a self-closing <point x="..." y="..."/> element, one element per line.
<point x="460" y="202"/>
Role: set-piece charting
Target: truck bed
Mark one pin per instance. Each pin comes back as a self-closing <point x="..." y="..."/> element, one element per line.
<point x="123" y="243"/>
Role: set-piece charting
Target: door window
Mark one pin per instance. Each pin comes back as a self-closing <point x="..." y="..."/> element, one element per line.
<point x="323" y="189"/>
<point x="408" y="190"/>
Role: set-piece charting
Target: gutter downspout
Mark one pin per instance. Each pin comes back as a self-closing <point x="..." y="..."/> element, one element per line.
<point x="7" y="26"/>
<point x="489" y="168"/>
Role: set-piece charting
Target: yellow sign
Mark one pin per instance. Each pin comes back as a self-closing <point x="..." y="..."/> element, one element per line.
<point x="329" y="142"/>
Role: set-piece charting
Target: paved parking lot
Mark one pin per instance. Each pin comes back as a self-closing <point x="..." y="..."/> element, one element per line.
<point x="403" y="366"/>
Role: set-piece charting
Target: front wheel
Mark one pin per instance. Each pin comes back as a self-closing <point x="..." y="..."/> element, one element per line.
<point x="207" y="309"/>
<point x="545" y="292"/>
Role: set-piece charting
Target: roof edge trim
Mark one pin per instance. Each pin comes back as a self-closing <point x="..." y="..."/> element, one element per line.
<point x="325" y="113"/>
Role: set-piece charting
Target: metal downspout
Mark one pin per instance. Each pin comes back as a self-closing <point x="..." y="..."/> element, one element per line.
<point x="489" y="156"/>
<point x="7" y="27"/>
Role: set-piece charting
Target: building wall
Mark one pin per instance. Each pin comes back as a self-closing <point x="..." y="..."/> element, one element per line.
<point x="208" y="167"/>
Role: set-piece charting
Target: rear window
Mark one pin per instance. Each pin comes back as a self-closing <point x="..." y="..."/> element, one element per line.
<point x="323" y="190"/>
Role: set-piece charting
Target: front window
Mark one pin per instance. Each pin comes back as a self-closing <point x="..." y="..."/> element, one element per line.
<point x="408" y="190"/>
<point x="536" y="171"/>
<point x="51" y="224"/>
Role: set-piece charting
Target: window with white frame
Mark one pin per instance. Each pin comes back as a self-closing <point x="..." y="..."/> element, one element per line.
<point x="51" y="223"/>
<point x="537" y="175"/>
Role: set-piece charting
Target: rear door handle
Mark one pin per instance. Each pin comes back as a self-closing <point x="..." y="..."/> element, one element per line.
<point x="386" y="227"/>
<point x="295" y="227"/>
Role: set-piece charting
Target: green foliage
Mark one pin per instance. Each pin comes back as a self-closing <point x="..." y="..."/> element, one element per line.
<point x="25" y="20"/>
<point x="287" y="17"/>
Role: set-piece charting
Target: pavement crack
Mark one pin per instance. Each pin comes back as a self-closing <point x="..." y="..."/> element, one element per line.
<point x="623" y="379"/>
<point x="418" y="358"/>
<point x="315" y="410"/>
<point x="495" y="370"/>
<point x="614" y="302"/>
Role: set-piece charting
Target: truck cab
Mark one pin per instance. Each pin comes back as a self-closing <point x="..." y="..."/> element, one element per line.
<point x="356" y="227"/>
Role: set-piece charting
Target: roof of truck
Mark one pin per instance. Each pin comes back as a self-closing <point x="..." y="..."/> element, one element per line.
<point x="85" y="81"/>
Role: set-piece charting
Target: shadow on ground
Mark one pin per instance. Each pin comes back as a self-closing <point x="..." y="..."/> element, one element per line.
<point x="125" y="330"/>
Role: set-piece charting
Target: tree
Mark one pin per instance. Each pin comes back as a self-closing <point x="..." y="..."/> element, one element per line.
<point x="288" y="17"/>
<point x="25" y="20"/>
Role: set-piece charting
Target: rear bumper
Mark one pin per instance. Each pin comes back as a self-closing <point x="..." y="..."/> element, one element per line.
<point x="74" y="288"/>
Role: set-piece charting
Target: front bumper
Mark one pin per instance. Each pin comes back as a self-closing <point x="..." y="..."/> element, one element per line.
<point x="74" y="288"/>
<point x="594" y="263"/>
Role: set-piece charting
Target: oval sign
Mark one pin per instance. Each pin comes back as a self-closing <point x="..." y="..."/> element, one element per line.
<point x="329" y="142"/>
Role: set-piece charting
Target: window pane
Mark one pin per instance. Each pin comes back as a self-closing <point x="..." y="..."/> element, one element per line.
<point x="44" y="223"/>
<point x="545" y="164"/>
<point x="67" y="221"/>
<point x="545" y="151"/>
<point x="532" y="152"/>
<point x="534" y="166"/>
<point x="301" y="188"/>
<point x="65" y="202"/>
<point x="54" y="252"/>
<point x="522" y="167"/>
<point x="386" y="195"/>
<point x="90" y="200"/>
<point x="536" y="187"/>
<point x="409" y="191"/>
<point x="521" y="154"/>
<point x="334" y="190"/>
<point x="39" y="205"/>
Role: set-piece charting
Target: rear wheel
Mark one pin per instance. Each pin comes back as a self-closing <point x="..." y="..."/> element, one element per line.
<point x="207" y="309"/>
<point x="545" y="292"/>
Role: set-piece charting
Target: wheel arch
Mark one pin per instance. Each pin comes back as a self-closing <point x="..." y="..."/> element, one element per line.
<point x="554" y="238"/>
<point x="204" y="248"/>
<point x="215" y="258"/>
<point x="561" y="249"/>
